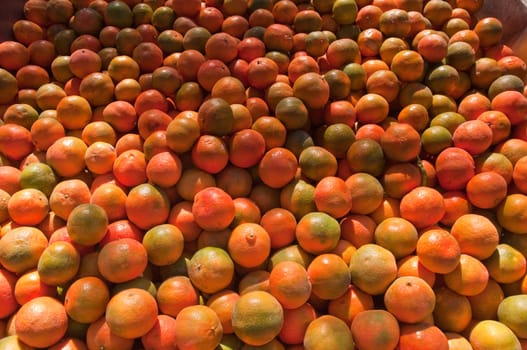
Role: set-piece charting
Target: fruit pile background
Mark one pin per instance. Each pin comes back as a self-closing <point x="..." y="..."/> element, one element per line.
<point x="261" y="174"/>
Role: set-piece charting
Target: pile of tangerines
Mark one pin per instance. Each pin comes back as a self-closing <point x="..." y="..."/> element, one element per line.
<point x="262" y="174"/>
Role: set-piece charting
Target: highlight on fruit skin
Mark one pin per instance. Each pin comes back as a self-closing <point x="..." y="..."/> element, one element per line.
<point x="264" y="174"/>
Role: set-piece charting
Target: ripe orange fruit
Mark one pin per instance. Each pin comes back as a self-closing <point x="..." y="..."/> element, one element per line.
<point x="329" y="276"/>
<point x="503" y="337"/>
<point x="198" y="326"/>
<point x="237" y="182"/>
<point x="438" y="250"/>
<point x="181" y="216"/>
<point x="453" y="311"/>
<point x="280" y="224"/>
<point x="222" y="304"/>
<point x="411" y="266"/>
<point x="290" y="284"/>
<point x="398" y="235"/>
<point x="485" y="305"/>
<point x="44" y="131"/>
<point x="115" y="253"/>
<point x="262" y="72"/>
<point x="257" y="318"/>
<point x="99" y="157"/>
<point x="8" y="283"/>
<point x="131" y="313"/>
<point x="508" y="212"/>
<point x="28" y="206"/>
<point x="69" y="343"/>
<point x="317" y="232"/>
<point x="99" y="335"/>
<point x="350" y="304"/>
<point x="162" y="334"/>
<point x="474" y="136"/>
<point x="312" y="89"/>
<point x="506" y="264"/>
<point x="147" y="206"/>
<point x="29" y="286"/>
<point x="210" y="154"/>
<point x="213" y="209"/>
<point x="401" y="178"/>
<point x="499" y="124"/>
<point x="129" y="168"/>
<point x="422" y="335"/>
<point x="276" y="36"/>
<point x="470" y="277"/>
<point x="21" y="248"/>
<point x="245" y="211"/>
<point x="152" y="120"/>
<point x="192" y="181"/>
<point x="295" y="323"/>
<point x="59" y="263"/>
<point x="111" y="198"/>
<point x="41" y="322"/>
<point x="273" y="130"/>
<point x="249" y="245"/>
<point x="86" y="299"/>
<point x="486" y="189"/>
<point x="476" y="234"/>
<point x="410" y="299"/>
<point x="210" y="269"/>
<point x="66" y="156"/>
<point x="176" y="293"/>
<point x="510" y="102"/>
<point x="121" y="229"/>
<point x="401" y="142"/>
<point x="328" y="332"/>
<point x="373" y="268"/>
<point x="369" y="324"/>
<point x="422" y="200"/>
<point x="277" y="160"/>
<point x="121" y="115"/>
<point x="518" y="174"/>
<point x="332" y="196"/>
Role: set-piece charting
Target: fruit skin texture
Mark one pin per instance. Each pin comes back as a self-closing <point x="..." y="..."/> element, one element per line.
<point x="21" y="247"/>
<point x="7" y="288"/>
<point x="512" y="312"/>
<point x="41" y="322"/>
<point x="373" y="268"/>
<point x="410" y="299"/>
<point x="198" y="327"/>
<point x="192" y="120"/>
<point x="422" y="336"/>
<point x="131" y="313"/>
<point x="257" y="317"/>
<point x="328" y="332"/>
<point x="213" y="209"/>
<point x="491" y="334"/>
<point x="375" y="329"/>
<point x="210" y="269"/>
